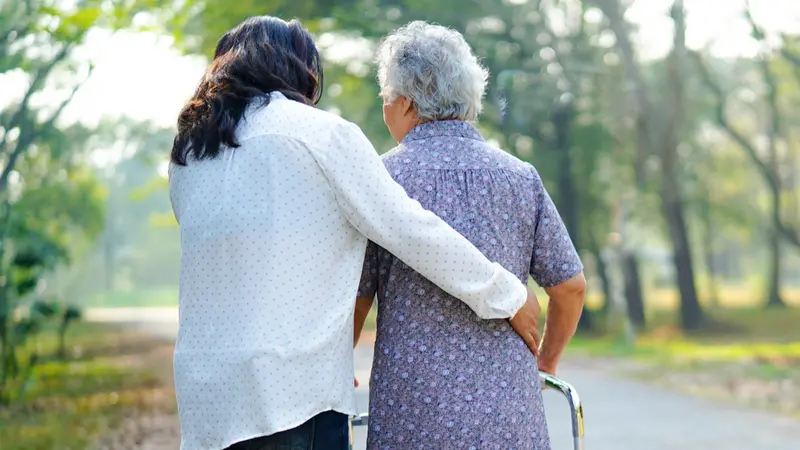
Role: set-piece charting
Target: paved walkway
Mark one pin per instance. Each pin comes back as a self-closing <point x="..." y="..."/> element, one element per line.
<point x="620" y="414"/>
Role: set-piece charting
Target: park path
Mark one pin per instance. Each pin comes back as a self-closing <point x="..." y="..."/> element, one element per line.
<point x="621" y="414"/>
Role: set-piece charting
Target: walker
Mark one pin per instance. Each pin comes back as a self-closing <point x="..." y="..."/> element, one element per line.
<point x="548" y="381"/>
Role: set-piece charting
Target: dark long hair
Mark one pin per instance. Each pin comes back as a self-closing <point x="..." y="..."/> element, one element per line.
<point x="261" y="55"/>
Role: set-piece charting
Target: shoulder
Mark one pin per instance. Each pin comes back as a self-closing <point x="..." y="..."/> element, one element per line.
<point x="310" y="115"/>
<point x="295" y="120"/>
<point x="399" y="159"/>
<point x="494" y="157"/>
<point x="394" y="154"/>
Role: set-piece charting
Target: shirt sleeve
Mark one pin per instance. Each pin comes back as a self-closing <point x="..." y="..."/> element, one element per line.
<point x="555" y="259"/>
<point x="379" y="208"/>
<point x="368" y="285"/>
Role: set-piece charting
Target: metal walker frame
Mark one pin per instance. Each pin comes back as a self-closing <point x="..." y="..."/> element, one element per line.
<point x="548" y="382"/>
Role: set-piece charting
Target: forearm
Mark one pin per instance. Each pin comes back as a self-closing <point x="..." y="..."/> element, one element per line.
<point x="363" y="306"/>
<point x="440" y="254"/>
<point x="563" y="313"/>
<point x="381" y="210"/>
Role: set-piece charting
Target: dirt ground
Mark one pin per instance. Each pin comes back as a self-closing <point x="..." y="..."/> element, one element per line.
<point x="157" y="427"/>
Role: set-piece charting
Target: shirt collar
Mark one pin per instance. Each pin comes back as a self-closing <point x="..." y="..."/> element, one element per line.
<point x="275" y="95"/>
<point x="443" y="128"/>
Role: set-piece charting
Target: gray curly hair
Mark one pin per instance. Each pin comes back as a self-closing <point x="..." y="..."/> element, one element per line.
<point x="433" y="66"/>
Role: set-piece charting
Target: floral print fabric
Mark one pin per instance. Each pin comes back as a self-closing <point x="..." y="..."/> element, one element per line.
<point x="442" y="378"/>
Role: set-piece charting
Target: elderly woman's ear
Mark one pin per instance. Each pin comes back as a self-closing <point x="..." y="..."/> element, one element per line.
<point x="400" y="116"/>
<point x="408" y="108"/>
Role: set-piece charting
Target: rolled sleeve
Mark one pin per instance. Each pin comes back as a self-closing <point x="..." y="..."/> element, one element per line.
<point x="555" y="259"/>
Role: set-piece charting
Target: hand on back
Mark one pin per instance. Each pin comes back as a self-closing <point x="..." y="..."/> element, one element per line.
<point x="526" y="323"/>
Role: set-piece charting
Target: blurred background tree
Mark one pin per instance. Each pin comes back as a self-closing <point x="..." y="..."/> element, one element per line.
<point x="620" y="139"/>
<point x="674" y="171"/>
<point x="51" y="201"/>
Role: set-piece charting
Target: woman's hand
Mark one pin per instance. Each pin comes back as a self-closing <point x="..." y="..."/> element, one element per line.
<point x="526" y="322"/>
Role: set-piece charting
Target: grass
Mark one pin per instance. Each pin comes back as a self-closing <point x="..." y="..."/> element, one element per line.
<point x="746" y="356"/>
<point x="736" y="296"/>
<point x="67" y="405"/>
<point x="733" y="334"/>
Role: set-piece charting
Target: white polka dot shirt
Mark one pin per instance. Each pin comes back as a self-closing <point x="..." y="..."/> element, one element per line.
<point x="273" y="238"/>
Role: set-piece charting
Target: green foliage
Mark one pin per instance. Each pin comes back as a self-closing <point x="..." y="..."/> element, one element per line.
<point x="49" y="199"/>
<point x="54" y="202"/>
<point x="40" y="223"/>
<point x="523" y="94"/>
<point x="201" y="22"/>
<point x="69" y="405"/>
<point x="560" y="97"/>
<point x="139" y="244"/>
<point x="20" y="357"/>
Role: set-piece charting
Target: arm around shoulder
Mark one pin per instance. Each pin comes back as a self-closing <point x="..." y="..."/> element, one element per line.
<point x="380" y="209"/>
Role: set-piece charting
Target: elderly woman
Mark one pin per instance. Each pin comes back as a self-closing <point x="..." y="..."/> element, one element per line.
<point x="443" y="378"/>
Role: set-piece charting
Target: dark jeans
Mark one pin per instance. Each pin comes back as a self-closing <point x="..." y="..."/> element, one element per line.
<point x="327" y="431"/>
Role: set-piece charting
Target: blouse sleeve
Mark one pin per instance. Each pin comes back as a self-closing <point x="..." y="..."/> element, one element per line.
<point x="555" y="259"/>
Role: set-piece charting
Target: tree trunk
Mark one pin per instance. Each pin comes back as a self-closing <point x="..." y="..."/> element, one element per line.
<point x="692" y="316"/>
<point x="691" y="312"/>
<point x="109" y="244"/>
<point x="62" y="341"/>
<point x="709" y="251"/>
<point x="774" y="299"/>
<point x="6" y="311"/>
<point x="618" y="323"/>
<point x="4" y="369"/>
<point x="602" y="273"/>
<point x="775" y="182"/>
<point x="568" y="200"/>
<point x="633" y="290"/>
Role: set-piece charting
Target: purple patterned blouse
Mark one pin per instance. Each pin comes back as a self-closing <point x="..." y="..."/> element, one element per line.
<point x="442" y="378"/>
